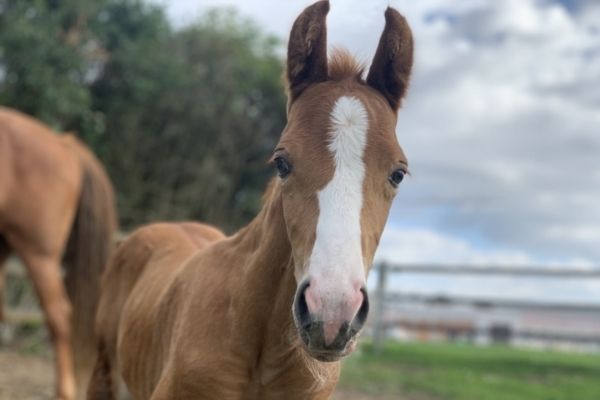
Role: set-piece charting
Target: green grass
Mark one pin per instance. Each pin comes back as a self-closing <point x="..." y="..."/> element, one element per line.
<point x="464" y="372"/>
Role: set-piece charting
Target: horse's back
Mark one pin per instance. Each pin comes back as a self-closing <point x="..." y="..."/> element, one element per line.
<point x="149" y="257"/>
<point x="137" y="283"/>
<point x="34" y="145"/>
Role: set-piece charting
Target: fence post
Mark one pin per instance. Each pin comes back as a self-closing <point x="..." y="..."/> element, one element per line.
<point x="379" y="328"/>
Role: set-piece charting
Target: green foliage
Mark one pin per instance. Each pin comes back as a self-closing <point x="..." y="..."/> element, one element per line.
<point x="40" y="46"/>
<point x="463" y="372"/>
<point x="184" y="120"/>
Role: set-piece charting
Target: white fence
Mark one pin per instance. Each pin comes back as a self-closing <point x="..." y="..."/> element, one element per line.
<point x="384" y="298"/>
<point x="24" y="304"/>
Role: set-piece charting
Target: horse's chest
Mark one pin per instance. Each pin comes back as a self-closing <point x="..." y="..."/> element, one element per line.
<point x="261" y="383"/>
<point x="258" y="390"/>
<point x="279" y="382"/>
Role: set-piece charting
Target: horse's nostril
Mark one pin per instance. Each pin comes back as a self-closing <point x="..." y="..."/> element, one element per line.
<point x="332" y="334"/>
<point x="301" y="312"/>
<point x="363" y="311"/>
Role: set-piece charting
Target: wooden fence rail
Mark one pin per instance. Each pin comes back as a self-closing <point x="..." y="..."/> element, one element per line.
<point x="497" y="270"/>
<point x="384" y="298"/>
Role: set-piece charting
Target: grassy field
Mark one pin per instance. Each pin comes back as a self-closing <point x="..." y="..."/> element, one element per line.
<point x="402" y="372"/>
<point x="463" y="372"/>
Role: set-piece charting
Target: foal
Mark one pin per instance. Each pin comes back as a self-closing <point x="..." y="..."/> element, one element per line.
<point x="268" y="312"/>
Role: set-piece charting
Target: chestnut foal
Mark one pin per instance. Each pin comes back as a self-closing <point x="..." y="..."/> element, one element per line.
<point x="267" y="313"/>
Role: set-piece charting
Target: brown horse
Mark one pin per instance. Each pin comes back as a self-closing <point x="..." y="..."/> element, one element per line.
<point x="56" y="203"/>
<point x="267" y="313"/>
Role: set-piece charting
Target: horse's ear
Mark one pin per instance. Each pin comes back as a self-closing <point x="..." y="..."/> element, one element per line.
<point x="307" y="49"/>
<point x="390" y="70"/>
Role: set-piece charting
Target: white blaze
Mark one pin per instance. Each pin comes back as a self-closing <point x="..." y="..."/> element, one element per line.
<point x="336" y="260"/>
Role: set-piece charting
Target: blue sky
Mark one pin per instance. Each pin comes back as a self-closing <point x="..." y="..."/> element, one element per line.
<point x="501" y="128"/>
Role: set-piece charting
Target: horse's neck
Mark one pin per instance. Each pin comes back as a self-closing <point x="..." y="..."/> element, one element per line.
<point x="266" y="277"/>
<point x="265" y="239"/>
<point x="266" y="292"/>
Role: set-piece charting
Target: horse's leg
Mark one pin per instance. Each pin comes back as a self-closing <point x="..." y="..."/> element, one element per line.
<point x="45" y="273"/>
<point x="101" y="386"/>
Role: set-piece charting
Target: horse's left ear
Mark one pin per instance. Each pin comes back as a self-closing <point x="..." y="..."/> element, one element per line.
<point x="390" y="70"/>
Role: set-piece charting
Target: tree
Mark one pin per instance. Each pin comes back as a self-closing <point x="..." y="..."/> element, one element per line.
<point x="42" y="69"/>
<point x="184" y="120"/>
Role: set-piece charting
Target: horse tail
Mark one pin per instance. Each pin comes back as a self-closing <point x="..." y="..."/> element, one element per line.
<point x="89" y="246"/>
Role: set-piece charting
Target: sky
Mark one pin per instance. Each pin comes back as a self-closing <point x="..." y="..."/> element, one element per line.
<point x="501" y="128"/>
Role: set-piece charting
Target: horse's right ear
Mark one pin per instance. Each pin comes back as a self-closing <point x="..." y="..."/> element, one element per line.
<point x="307" y="50"/>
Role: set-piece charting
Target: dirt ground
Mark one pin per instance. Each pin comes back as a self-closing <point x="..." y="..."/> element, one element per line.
<point x="30" y="377"/>
<point x="25" y="377"/>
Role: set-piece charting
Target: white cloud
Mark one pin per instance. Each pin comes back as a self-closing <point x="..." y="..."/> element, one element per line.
<point x="501" y="123"/>
<point x="422" y="245"/>
<point x="501" y="126"/>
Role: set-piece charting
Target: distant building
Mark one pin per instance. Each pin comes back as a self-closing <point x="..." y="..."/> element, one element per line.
<point x="539" y="328"/>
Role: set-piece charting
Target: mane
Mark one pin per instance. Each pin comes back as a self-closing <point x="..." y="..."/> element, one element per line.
<point x="342" y="65"/>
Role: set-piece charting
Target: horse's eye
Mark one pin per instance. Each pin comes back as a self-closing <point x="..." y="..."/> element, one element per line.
<point x="283" y="167"/>
<point x="396" y="177"/>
